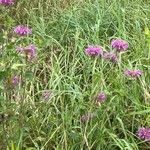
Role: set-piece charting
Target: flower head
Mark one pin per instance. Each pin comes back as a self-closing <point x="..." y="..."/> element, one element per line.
<point x="6" y="2"/>
<point x="86" y="117"/>
<point x="15" y="80"/>
<point x="29" y="51"/>
<point x="133" y="73"/>
<point x="119" y="44"/>
<point x="144" y="133"/>
<point x="93" y="50"/>
<point x="12" y="81"/>
<point x="46" y="94"/>
<point x="22" y="30"/>
<point x="100" y="97"/>
<point x="110" y="56"/>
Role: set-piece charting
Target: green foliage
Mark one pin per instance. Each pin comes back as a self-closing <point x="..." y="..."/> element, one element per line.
<point x="61" y="31"/>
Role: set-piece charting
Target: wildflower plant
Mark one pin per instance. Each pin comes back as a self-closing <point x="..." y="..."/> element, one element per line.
<point x="101" y="96"/>
<point x="133" y="73"/>
<point x="111" y="56"/>
<point x="6" y="2"/>
<point x="92" y="50"/>
<point x="22" y="30"/>
<point x="144" y="133"/>
<point x="29" y="51"/>
<point x="119" y="44"/>
<point x="45" y="47"/>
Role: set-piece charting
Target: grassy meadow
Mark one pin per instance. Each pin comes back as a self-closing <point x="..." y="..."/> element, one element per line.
<point x="61" y="30"/>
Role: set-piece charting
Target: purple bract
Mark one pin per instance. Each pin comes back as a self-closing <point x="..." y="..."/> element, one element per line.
<point x="22" y="30"/>
<point x="94" y="50"/>
<point x="110" y="56"/>
<point x="6" y="2"/>
<point x="144" y="133"/>
<point x="86" y="117"/>
<point x="133" y="72"/>
<point x="29" y="51"/>
<point x="119" y="44"/>
<point x="46" y="94"/>
<point x="15" y="80"/>
<point x="100" y="97"/>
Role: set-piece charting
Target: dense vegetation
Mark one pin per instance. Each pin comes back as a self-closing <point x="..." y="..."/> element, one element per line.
<point x="49" y="84"/>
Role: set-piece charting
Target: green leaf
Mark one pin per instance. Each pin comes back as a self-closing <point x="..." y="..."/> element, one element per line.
<point x="3" y="74"/>
<point x="140" y="112"/>
<point x="30" y="148"/>
<point x="16" y="66"/>
<point x="12" y="146"/>
<point x="1" y="98"/>
<point x="29" y="75"/>
<point x="146" y="31"/>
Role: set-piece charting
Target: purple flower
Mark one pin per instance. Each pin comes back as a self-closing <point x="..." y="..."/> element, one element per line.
<point x="46" y="94"/>
<point x="100" y="97"/>
<point x="144" y="133"/>
<point x="15" y="80"/>
<point x="119" y="44"/>
<point x="22" y="30"/>
<point x="93" y="50"/>
<point x="110" y="56"/>
<point x="6" y="2"/>
<point x="133" y="73"/>
<point x="29" y="51"/>
<point x="86" y="117"/>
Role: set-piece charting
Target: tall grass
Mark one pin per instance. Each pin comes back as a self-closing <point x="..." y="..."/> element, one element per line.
<point x="61" y="31"/>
